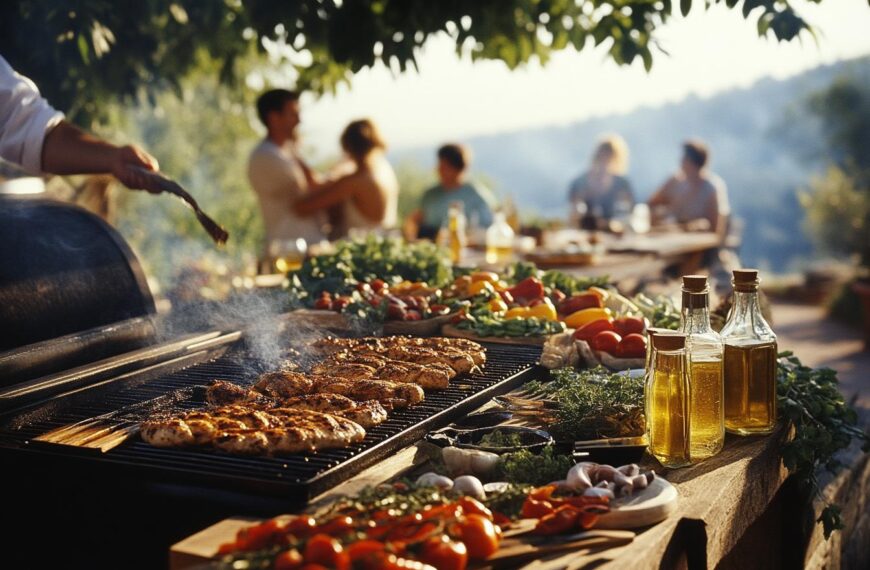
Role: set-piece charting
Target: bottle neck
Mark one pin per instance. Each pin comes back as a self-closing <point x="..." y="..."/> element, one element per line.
<point x="695" y="315"/>
<point x="745" y="306"/>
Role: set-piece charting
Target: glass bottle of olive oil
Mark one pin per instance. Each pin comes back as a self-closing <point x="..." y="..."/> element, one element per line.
<point x="667" y="397"/>
<point x="750" y="361"/>
<point x="705" y="354"/>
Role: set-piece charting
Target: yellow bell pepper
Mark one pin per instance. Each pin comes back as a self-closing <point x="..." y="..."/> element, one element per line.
<point x="517" y="313"/>
<point x="585" y="316"/>
<point x="478" y="287"/>
<point x="544" y="311"/>
<point x="497" y="305"/>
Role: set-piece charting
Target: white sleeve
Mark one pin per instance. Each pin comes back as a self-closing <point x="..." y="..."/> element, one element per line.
<point x="25" y="118"/>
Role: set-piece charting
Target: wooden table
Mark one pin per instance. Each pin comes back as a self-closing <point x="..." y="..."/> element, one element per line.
<point x="720" y="500"/>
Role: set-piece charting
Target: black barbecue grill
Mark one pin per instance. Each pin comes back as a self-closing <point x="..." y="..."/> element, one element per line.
<point x="179" y="384"/>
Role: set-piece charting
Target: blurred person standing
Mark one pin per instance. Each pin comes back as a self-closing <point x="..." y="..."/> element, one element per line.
<point x="477" y="201"/>
<point x="603" y="192"/>
<point x="368" y="195"/>
<point x="694" y="197"/>
<point x="277" y="174"/>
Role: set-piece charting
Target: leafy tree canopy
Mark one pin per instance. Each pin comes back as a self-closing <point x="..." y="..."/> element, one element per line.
<point x="83" y="53"/>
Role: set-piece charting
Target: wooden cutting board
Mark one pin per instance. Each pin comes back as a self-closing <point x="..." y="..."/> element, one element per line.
<point x="643" y="508"/>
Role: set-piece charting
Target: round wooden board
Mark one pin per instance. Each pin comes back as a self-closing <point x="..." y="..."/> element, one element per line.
<point x="450" y="330"/>
<point x="644" y="508"/>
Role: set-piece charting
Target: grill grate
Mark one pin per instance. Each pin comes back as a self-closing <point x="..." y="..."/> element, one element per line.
<point x="293" y="478"/>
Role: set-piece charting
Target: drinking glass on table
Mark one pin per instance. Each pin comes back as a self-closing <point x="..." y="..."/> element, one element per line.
<point x="287" y="254"/>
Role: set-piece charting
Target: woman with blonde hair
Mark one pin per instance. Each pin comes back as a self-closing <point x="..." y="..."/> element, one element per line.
<point x="603" y="190"/>
<point x="369" y="194"/>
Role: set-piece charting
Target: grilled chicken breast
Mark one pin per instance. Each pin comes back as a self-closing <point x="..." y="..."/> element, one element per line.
<point x="283" y="384"/>
<point x="366" y="414"/>
<point x="400" y="395"/>
<point x="222" y="393"/>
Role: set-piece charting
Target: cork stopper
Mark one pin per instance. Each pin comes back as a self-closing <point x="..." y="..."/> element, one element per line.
<point x="674" y="341"/>
<point x="652" y="331"/>
<point x="695" y="283"/>
<point x="746" y="280"/>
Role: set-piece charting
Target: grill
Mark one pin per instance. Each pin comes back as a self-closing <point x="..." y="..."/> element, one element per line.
<point x="180" y="385"/>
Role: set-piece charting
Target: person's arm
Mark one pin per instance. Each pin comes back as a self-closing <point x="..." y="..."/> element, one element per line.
<point x="69" y="150"/>
<point x="411" y="226"/>
<point x="660" y="196"/>
<point x="314" y="180"/>
<point x="329" y="195"/>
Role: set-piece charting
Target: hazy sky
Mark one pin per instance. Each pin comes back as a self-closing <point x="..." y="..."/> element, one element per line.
<point x="452" y="98"/>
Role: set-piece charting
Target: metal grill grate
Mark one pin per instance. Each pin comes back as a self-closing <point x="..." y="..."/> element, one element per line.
<point x="293" y="478"/>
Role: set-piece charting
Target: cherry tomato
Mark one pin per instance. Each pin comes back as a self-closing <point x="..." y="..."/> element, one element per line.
<point x="479" y="535"/>
<point x="261" y="535"/>
<point x="378" y="285"/>
<point x="340" y="303"/>
<point x="632" y="346"/>
<point x="471" y="506"/>
<point x="288" y="560"/>
<point x="338" y="525"/>
<point x="605" y="341"/>
<point x="364" y="288"/>
<point x="628" y="325"/>
<point x="324" y="302"/>
<point x="448" y="511"/>
<point x="393" y="562"/>
<point x="411" y="533"/>
<point x="533" y="509"/>
<point x="364" y="549"/>
<point x="444" y="554"/>
<point x="302" y="526"/>
<point x="323" y="549"/>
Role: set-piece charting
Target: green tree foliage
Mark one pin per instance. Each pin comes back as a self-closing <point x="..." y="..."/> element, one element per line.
<point x="85" y="52"/>
<point x="838" y="204"/>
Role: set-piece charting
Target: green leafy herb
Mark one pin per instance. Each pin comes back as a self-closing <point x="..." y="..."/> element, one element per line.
<point x="534" y="469"/>
<point x="554" y="279"/>
<point x="510" y="501"/>
<point x="498" y="438"/>
<point x="484" y="323"/>
<point x="661" y="311"/>
<point x="823" y="423"/>
<point x="592" y="404"/>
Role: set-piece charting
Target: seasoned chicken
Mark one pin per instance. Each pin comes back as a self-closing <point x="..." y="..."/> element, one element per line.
<point x="402" y="395"/>
<point x="366" y="414"/>
<point x="167" y="432"/>
<point x="436" y="375"/>
<point x="222" y="393"/>
<point x="283" y="384"/>
<point x="326" y="430"/>
<point x="348" y="370"/>
<point x="243" y="441"/>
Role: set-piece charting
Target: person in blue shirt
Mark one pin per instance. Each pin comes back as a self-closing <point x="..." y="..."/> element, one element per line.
<point x="477" y="200"/>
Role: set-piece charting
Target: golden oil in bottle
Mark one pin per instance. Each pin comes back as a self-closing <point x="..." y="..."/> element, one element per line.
<point x="750" y="361"/>
<point x="667" y="401"/>
<point x="707" y="422"/>
<point x="704" y="347"/>
<point x="750" y="388"/>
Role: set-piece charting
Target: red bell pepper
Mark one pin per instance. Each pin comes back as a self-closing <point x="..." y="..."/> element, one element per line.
<point x="528" y="288"/>
<point x="579" y="302"/>
<point x="590" y="330"/>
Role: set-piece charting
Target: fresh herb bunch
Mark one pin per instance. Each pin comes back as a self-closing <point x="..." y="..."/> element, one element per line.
<point x="358" y="261"/>
<point x="661" y="311"/>
<point x="510" y="501"/>
<point x="485" y="323"/>
<point x="593" y="403"/>
<point x="402" y="497"/>
<point x="823" y="425"/>
<point x="534" y="469"/>
<point x="499" y="438"/>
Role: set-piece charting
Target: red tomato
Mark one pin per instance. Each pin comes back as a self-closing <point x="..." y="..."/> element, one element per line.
<point x="324" y="302"/>
<point x="632" y="346"/>
<point x="471" y="506"/>
<point x="479" y="535"/>
<point x="444" y="554"/>
<point x="259" y="536"/>
<point x="629" y="325"/>
<point x="378" y="285"/>
<point x="323" y="549"/>
<point x="340" y="303"/>
<point x="288" y="560"/>
<point x="338" y="525"/>
<point x="364" y="549"/>
<point x="588" y="331"/>
<point x="606" y="341"/>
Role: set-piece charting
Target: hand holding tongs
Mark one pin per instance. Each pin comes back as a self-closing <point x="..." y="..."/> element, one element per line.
<point x="158" y="182"/>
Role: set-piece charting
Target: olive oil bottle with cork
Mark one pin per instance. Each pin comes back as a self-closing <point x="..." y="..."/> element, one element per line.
<point x="706" y="373"/>
<point x="750" y="361"/>
<point x="667" y="396"/>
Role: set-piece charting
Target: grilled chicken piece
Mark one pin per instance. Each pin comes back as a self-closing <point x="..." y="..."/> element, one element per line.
<point x="167" y="432"/>
<point x="366" y="414"/>
<point x="349" y="370"/>
<point x="223" y="393"/>
<point x="243" y="441"/>
<point x="458" y="361"/>
<point x="435" y="375"/>
<point x="326" y="431"/>
<point x="399" y="395"/>
<point x="283" y="384"/>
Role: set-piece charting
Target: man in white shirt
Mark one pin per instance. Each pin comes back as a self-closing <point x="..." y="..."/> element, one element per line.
<point x="277" y="175"/>
<point x="36" y="137"/>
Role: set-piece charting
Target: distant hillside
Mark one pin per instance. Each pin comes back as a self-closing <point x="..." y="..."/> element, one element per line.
<point x="761" y="145"/>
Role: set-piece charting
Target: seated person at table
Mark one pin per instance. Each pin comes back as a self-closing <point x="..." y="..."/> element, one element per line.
<point x="694" y="197"/>
<point x="478" y="202"/>
<point x="603" y="190"/>
<point x="369" y="194"/>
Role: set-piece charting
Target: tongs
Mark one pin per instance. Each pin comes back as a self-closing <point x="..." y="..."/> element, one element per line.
<point x="157" y="181"/>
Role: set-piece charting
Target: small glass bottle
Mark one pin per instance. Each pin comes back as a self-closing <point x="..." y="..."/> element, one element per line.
<point x="499" y="241"/>
<point x="750" y="361"/>
<point x="667" y="396"/>
<point x="706" y="374"/>
<point x="456" y="237"/>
